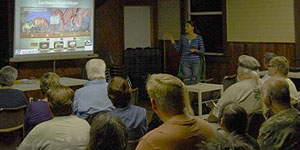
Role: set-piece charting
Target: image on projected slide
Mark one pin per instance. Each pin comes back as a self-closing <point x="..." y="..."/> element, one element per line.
<point x="54" y="22"/>
<point x="49" y="30"/>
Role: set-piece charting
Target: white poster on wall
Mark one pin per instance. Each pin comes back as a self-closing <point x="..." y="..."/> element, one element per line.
<point x="137" y="28"/>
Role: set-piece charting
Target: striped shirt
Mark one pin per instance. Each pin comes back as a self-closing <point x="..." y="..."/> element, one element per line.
<point x="185" y="45"/>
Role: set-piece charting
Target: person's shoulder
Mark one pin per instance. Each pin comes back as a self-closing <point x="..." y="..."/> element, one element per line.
<point x="138" y="108"/>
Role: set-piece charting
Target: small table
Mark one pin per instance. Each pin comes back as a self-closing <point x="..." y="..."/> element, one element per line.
<point x="201" y="88"/>
<point x="31" y="85"/>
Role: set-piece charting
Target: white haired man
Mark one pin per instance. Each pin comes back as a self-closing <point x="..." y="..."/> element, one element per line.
<point x="92" y="98"/>
<point x="242" y="92"/>
<point x="180" y="130"/>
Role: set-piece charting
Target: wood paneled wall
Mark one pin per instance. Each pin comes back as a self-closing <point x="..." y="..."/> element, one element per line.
<point x="219" y="66"/>
<point x="109" y="30"/>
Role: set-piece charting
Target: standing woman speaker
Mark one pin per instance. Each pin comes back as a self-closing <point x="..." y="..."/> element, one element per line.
<point x="191" y="46"/>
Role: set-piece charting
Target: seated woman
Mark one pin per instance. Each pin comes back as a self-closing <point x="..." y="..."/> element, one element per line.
<point x="38" y="111"/>
<point x="234" y="120"/>
<point x="134" y="117"/>
<point x="10" y="97"/>
<point x="107" y="133"/>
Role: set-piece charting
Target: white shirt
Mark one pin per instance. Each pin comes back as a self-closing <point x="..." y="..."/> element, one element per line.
<point x="60" y="133"/>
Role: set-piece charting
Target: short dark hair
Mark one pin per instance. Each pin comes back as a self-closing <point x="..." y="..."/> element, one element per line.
<point x="107" y="133"/>
<point x="235" y="118"/>
<point x="278" y="91"/>
<point x="193" y="24"/>
<point x="119" y="92"/>
<point x="60" y="99"/>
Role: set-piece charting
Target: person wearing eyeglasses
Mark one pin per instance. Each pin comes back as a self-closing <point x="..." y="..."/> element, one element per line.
<point x="279" y="67"/>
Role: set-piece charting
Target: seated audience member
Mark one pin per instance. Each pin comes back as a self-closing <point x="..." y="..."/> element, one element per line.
<point x="242" y="92"/>
<point x="279" y="67"/>
<point x="280" y="131"/>
<point x="227" y="142"/>
<point x="107" y="133"/>
<point x="92" y="98"/>
<point x="180" y="130"/>
<point x="38" y="111"/>
<point x="267" y="57"/>
<point x="10" y="97"/>
<point x="234" y="120"/>
<point x="134" y="117"/>
<point x="64" y="131"/>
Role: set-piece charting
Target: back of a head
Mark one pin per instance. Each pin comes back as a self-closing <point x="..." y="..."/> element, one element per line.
<point x="268" y="56"/>
<point x="8" y="75"/>
<point x="107" y="133"/>
<point x="47" y="80"/>
<point x="169" y="93"/>
<point x="119" y="92"/>
<point x="60" y="100"/>
<point x="281" y="64"/>
<point x="95" y="69"/>
<point x="234" y="118"/>
<point x="227" y="142"/>
<point x="278" y="91"/>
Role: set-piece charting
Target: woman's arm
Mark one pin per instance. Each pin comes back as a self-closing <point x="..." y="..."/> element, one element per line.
<point x="200" y="46"/>
<point x="176" y="46"/>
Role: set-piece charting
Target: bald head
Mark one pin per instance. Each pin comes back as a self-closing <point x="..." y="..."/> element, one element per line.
<point x="277" y="89"/>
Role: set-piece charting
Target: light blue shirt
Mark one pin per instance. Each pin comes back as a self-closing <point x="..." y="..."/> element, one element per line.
<point x="91" y="98"/>
<point x="135" y="119"/>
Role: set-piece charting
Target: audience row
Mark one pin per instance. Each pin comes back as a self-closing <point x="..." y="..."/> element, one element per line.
<point x="99" y="116"/>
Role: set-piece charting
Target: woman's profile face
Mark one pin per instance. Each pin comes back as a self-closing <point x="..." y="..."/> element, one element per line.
<point x="188" y="28"/>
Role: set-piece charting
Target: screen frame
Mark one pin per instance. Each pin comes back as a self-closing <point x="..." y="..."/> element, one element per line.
<point x="56" y="55"/>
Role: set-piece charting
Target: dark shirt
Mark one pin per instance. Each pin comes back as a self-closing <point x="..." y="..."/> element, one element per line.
<point x="10" y="98"/>
<point x="281" y="131"/>
<point x="135" y="119"/>
<point x="250" y="141"/>
<point x="37" y="112"/>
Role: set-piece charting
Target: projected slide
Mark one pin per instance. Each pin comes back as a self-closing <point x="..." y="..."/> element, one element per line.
<point x="53" y="26"/>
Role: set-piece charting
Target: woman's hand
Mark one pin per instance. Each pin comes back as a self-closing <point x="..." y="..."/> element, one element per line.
<point x="193" y="50"/>
<point x="170" y="37"/>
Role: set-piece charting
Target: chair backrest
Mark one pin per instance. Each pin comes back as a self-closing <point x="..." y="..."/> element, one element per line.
<point x="255" y="121"/>
<point x="12" y="119"/>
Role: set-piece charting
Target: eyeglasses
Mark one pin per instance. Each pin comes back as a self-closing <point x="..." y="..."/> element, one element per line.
<point x="270" y="66"/>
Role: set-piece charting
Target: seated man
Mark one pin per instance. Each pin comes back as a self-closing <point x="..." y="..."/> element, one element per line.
<point x="38" y="111"/>
<point x="10" y="97"/>
<point x="234" y="120"/>
<point x="180" y="130"/>
<point x="134" y="117"/>
<point x="279" y="67"/>
<point x="280" y="131"/>
<point x="64" y="131"/>
<point x="107" y="133"/>
<point x="267" y="57"/>
<point x="242" y="92"/>
<point x="92" y="98"/>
